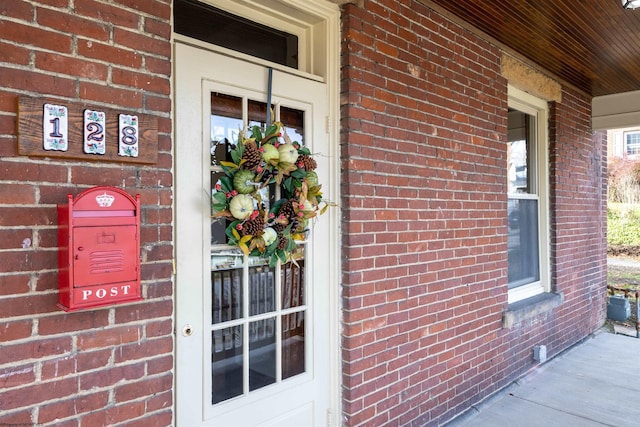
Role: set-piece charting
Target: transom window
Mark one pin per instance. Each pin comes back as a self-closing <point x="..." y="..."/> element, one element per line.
<point x="212" y="25"/>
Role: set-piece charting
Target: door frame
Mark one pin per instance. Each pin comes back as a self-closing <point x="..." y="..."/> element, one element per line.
<point x="324" y="61"/>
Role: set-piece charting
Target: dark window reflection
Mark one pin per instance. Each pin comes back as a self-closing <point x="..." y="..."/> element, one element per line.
<point x="226" y="364"/>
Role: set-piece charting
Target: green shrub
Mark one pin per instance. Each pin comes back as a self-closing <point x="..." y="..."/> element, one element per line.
<point x="623" y="224"/>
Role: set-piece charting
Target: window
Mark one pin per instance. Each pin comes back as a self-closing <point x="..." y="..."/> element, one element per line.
<point x="632" y="143"/>
<point x="527" y="205"/>
<point x="212" y="25"/>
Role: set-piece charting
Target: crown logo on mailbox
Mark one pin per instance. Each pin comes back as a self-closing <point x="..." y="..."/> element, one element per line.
<point x="105" y="200"/>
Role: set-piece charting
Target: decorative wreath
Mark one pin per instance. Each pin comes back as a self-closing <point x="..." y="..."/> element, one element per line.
<point x="261" y="163"/>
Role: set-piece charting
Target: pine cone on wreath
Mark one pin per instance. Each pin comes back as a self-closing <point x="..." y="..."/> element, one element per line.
<point x="253" y="227"/>
<point x="287" y="209"/>
<point x="308" y="162"/>
<point x="283" y="242"/>
<point x="252" y="156"/>
<point x="279" y="228"/>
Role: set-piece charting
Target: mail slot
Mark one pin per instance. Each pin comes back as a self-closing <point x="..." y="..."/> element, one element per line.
<point x="99" y="249"/>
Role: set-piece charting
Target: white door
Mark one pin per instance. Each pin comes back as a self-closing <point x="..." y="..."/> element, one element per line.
<point x="252" y="340"/>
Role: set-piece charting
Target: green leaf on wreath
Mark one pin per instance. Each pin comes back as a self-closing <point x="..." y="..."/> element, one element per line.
<point x="256" y="134"/>
<point x="299" y="173"/>
<point x="282" y="256"/>
<point x="220" y="197"/>
<point x="287" y="184"/>
<point x="273" y="261"/>
<point x="304" y="150"/>
<point x="226" y="183"/>
<point x="273" y="129"/>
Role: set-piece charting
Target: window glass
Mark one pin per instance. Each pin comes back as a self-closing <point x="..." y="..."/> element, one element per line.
<point x="258" y="311"/>
<point x="523" y="202"/>
<point x="632" y="143"/>
<point x="204" y="22"/>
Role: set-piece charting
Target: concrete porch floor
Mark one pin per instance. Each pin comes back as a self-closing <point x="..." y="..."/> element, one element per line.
<point x="595" y="383"/>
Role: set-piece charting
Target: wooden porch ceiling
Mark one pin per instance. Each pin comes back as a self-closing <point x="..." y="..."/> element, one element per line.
<point x="591" y="44"/>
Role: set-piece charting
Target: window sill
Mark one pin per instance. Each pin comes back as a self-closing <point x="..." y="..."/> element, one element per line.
<point x="529" y="308"/>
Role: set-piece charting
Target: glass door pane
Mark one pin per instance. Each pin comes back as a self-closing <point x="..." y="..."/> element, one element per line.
<point x="258" y="311"/>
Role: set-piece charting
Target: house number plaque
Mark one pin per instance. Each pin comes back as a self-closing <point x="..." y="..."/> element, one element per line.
<point x="55" y="128"/>
<point x="73" y="130"/>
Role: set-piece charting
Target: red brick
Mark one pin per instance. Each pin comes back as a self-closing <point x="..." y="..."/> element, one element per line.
<point x="16" y="283"/>
<point x="159" y="328"/>
<point x="8" y="146"/>
<point x="143" y="388"/>
<point x="30" y="35"/>
<point x="26" y="396"/>
<point x="12" y="54"/>
<point x="17" y="376"/>
<point x="35" y="349"/>
<point x="160" y="365"/>
<point x="32" y="81"/>
<point x="33" y="172"/>
<point x="160" y="401"/>
<point x="159" y="28"/>
<point x="151" y="7"/>
<point x="109" y="54"/>
<point x="108" y="176"/>
<point x="157" y="420"/>
<point x="72" y="322"/>
<point x="158" y="253"/>
<point x="156" y="271"/>
<point x="142" y="43"/>
<point x="48" y="238"/>
<point x="17" y="194"/>
<point x="109" y="337"/>
<point x="17" y="9"/>
<point x="66" y="23"/>
<point x="156" y="103"/>
<point x="145" y="349"/>
<point x="16" y="330"/>
<point x="110" y="95"/>
<point x="141" y="81"/>
<point x="158" y="289"/>
<point x="143" y="311"/>
<point x="47" y="281"/>
<point x="107" y="377"/>
<point x="71" y="66"/>
<point x="24" y="305"/>
<point x="16" y="418"/>
<point x="72" y="364"/>
<point x="114" y="415"/>
<point x="97" y="11"/>
<point x="72" y="407"/>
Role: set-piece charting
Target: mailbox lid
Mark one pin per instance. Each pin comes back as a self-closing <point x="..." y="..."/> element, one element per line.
<point x="105" y="200"/>
<point x="103" y="255"/>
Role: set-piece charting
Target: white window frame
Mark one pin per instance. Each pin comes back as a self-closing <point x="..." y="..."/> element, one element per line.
<point x="538" y="108"/>
<point x="625" y="144"/>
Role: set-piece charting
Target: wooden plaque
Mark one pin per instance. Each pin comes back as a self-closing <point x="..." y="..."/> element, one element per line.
<point x="31" y="141"/>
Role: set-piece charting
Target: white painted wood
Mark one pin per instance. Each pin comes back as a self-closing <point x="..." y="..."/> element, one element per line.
<point x="304" y="399"/>
<point x="615" y="111"/>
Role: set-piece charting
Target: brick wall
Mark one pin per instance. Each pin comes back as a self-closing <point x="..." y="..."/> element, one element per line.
<point x="107" y="366"/>
<point x="425" y="219"/>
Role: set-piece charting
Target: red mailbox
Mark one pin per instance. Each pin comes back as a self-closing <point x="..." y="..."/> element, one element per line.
<point x="99" y="254"/>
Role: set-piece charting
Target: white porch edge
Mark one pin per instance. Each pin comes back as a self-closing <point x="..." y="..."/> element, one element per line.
<point x="620" y="110"/>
